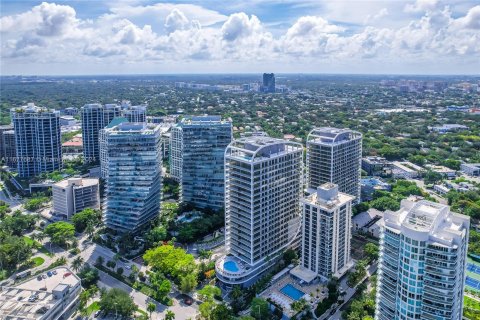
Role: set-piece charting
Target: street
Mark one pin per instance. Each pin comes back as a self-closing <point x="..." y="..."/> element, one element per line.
<point x="349" y="294"/>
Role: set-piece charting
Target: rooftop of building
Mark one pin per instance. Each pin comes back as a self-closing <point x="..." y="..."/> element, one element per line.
<point x="433" y="220"/>
<point x="116" y="121"/>
<point x="76" y="141"/>
<point x="83" y="182"/>
<point x="203" y="120"/>
<point x="31" y="108"/>
<point x="260" y="147"/>
<point x="375" y="160"/>
<point x="471" y="165"/>
<point x="440" y="169"/>
<point x="328" y="197"/>
<point x="133" y="128"/>
<point x="407" y="166"/>
<point x="15" y="302"/>
<point x="329" y="135"/>
<point x="6" y="127"/>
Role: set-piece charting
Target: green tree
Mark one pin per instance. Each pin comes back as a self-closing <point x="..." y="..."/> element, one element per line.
<point x="371" y="250"/>
<point x="85" y="217"/>
<point x="151" y="307"/>
<point x="77" y="263"/>
<point x="99" y="261"/>
<point x="385" y="203"/>
<point x="169" y="315"/>
<point x="155" y="236"/>
<point x="13" y="251"/>
<point x="117" y="301"/>
<point x="60" y="232"/>
<point x="221" y="312"/>
<point x="89" y="276"/>
<point x="259" y="309"/>
<point x="208" y="292"/>
<point x="188" y="283"/>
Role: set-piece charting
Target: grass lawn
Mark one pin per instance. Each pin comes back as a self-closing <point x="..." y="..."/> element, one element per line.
<point x="37" y="245"/>
<point x="471" y="308"/>
<point x="29" y="241"/>
<point x="94" y="306"/>
<point x="37" y="261"/>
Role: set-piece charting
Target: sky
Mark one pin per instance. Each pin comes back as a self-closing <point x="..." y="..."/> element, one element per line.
<point x="87" y="37"/>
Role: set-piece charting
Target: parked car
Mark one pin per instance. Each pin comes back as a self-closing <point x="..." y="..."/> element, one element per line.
<point x="44" y="276"/>
<point x="39" y="278"/>
<point x="54" y="272"/>
<point x="97" y="313"/>
<point x="49" y="274"/>
<point x="333" y="311"/>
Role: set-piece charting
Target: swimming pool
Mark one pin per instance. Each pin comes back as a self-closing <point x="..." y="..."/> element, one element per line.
<point x="292" y="292"/>
<point x="230" y="266"/>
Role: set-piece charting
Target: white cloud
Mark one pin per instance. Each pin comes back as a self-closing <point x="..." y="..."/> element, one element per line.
<point x="51" y="33"/>
<point x="239" y="26"/>
<point x="176" y="20"/>
<point x="472" y="19"/>
<point x="46" y="19"/>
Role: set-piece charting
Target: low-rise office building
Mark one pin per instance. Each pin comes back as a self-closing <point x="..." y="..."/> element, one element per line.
<point x="376" y="166"/>
<point x="471" y="169"/>
<point x="406" y="170"/>
<point x="51" y="298"/>
<point x="72" y="195"/>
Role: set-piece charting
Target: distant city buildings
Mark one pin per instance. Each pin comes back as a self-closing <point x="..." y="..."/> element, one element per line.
<point x="263" y="186"/>
<point x="133" y="181"/>
<point x="448" y="128"/>
<point x="471" y="169"/>
<point x="376" y="166"/>
<point x="135" y="113"/>
<point x="37" y="140"/>
<point x="326" y="232"/>
<point x="198" y="146"/>
<point x="334" y="155"/>
<point x="268" y="83"/>
<point x="72" y="195"/>
<point x="421" y="272"/>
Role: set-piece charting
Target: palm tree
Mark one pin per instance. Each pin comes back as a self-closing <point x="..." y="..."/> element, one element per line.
<point x="99" y="261"/>
<point x="77" y="263"/>
<point x="41" y="236"/>
<point x="150" y="308"/>
<point x="169" y="315"/>
<point x="90" y="229"/>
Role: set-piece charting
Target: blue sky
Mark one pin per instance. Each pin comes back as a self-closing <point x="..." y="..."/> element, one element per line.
<point x="134" y="36"/>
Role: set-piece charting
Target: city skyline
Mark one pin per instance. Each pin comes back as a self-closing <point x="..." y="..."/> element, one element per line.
<point x="150" y="37"/>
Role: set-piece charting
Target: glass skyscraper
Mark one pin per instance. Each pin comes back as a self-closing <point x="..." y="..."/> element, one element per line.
<point x="421" y="271"/>
<point x="197" y="159"/>
<point x="95" y="117"/>
<point x="263" y="185"/>
<point x="37" y="140"/>
<point x="334" y="155"/>
<point x="133" y="188"/>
